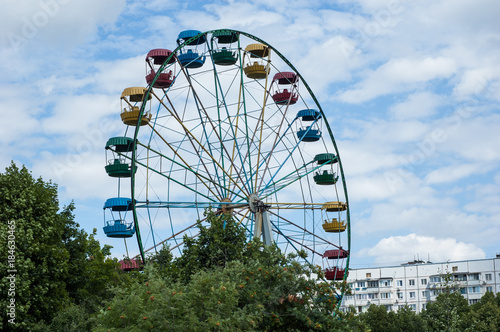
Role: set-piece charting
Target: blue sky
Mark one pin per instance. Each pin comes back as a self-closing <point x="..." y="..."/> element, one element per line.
<point x="411" y="89"/>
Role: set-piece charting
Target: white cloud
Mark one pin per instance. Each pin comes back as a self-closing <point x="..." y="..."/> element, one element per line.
<point x="417" y="105"/>
<point x="398" y="75"/>
<point x="455" y="172"/>
<point x="55" y="23"/>
<point x="474" y="83"/>
<point x="470" y="133"/>
<point x="402" y="249"/>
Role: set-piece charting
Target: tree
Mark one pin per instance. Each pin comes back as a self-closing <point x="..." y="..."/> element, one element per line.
<point x="486" y="314"/>
<point x="378" y="319"/>
<point x="46" y="261"/>
<point x="215" y="246"/>
<point x="407" y="320"/>
<point x="237" y="287"/>
<point x="450" y="312"/>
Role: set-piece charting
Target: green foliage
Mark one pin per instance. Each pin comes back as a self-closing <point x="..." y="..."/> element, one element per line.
<point x="226" y="285"/>
<point x="378" y="319"/>
<point x="407" y="320"/>
<point x="55" y="262"/>
<point x="485" y="314"/>
<point x="41" y="261"/>
<point x="216" y="245"/>
<point x="450" y="312"/>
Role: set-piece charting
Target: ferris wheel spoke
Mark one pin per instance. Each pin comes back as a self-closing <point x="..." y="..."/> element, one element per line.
<point x="277" y="140"/>
<point x="173" y="180"/>
<point x="290" y="239"/>
<point x="233" y="130"/>
<point x="302" y="229"/>
<point x="223" y="151"/>
<point x="187" y="165"/>
<point x="291" y="151"/>
<point x="196" y="143"/>
<point x="188" y="133"/>
<point x="286" y="181"/>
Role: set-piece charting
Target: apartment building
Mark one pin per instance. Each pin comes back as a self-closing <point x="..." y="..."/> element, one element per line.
<point x="418" y="283"/>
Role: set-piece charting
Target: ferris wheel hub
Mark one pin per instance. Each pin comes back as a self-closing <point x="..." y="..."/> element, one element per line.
<point x="256" y="204"/>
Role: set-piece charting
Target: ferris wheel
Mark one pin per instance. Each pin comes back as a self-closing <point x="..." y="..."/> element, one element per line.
<point x="226" y="122"/>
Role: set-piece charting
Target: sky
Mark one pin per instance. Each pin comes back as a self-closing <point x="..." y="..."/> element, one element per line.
<point x="411" y="89"/>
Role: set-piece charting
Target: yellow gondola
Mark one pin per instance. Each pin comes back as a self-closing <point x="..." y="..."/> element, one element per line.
<point x="334" y="226"/>
<point x="133" y="97"/>
<point x="334" y="206"/>
<point x="259" y="69"/>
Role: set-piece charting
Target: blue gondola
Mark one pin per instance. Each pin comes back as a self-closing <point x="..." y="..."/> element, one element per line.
<point x="118" y="227"/>
<point x="308" y="134"/>
<point x="309" y="115"/>
<point x="188" y="56"/>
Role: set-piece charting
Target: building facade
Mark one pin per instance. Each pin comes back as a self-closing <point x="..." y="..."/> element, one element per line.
<point x="418" y="283"/>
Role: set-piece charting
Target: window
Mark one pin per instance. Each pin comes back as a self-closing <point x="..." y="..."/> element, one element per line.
<point x="423" y="281"/>
<point x="361" y="284"/>
<point x="474" y="276"/>
<point x="360" y="296"/>
<point x="474" y="289"/>
<point x="385" y="295"/>
<point x="435" y="292"/>
<point x="425" y="293"/>
<point x="400" y="283"/>
<point x="454" y="269"/>
<point x="388" y="307"/>
<point x="368" y="275"/>
<point x="424" y="305"/>
<point x="373" y="296"/>
<point x="473" y="301"/>
<point x="411" y="282"/>
<point x="435" y="279"/>
<point x="400" y="295"/>
<point x="412" y="295"/>
<point x="489" y="289"/>
<point x="372" y="284"/>
<point x="460" y="277"/>
<point x="385" y="283"/>
<point x="463" y="290"/>
<point x="487" y="276"/>
<point x="413" y="307"/>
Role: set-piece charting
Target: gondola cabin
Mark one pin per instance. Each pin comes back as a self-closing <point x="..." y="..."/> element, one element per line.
<point x="131" y="101"/>
<point x="117" y="166"/>
<point x="190" y="56"/>
<point x="284" y="88"/>
<point x="325" y="178"/>
<point x="334" y="226"/>
<point x="334" y="274"/>
<point x="257" y="61"/>
<point x="336" y="254"/>
<point x="116" y="226"/>
<point x="334" y="206"/>
<point x="223" y="51"/>
<point x="154" y="61"/>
